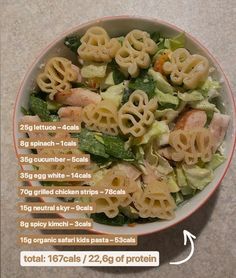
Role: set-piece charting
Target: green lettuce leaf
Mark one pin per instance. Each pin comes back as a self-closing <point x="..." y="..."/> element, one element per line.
<point x="114" y="93"/>
<point x="167" y="100"/>
<point x="191" y="96"/>
<point x="172" y="183"/>
<point x="197" y="177"/>
<point x="204" y="105"/>
<point x="216" y="161"/>
<point x="156" y="129"/>
<point x="175" y="42"/>
<point x="161" y="83"/>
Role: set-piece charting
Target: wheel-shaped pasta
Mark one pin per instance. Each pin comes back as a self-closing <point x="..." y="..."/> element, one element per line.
<point x="116" y="180"/>
<point x="190" y="145"/>
<point x="101" y="117"/>
<point x="187" y="69"/>
<point x="136" y="115"/>
<point x="155" y="201"/>
<point x="134" y="53"/>
<point x="97" y="46"/>
<point x="57" y="75"/>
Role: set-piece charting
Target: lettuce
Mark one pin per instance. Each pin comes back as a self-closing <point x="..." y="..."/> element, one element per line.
<point x="204" y="105"/>
<point x="114" y="93"/>
<point x="163" y="166"/>
<point x="156" y="129"/>
<point x="210" y="84"/>
<point x="109" y="81"/>
<point x="191" y="96"/>
<point x="161" y="83"/>
<point x="216" y="161"/>
<point x="175" y="42"/>
<point x="197" y="177"/>
<point x="167" y="114"/>
<point x="172" y="184"/>
<point x="167" y="100"/>
<point x="39" y="107"/>
<point x="94" y="70"/>
<point x="178" y="197"/>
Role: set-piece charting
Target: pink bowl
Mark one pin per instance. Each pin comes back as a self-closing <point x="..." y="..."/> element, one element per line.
<point x="117" y="26"/>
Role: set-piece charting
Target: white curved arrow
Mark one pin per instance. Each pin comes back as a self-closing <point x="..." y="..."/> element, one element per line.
<point x="187" y="235"/>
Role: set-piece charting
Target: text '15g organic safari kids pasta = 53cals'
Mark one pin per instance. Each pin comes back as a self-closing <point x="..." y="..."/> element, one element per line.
<point x="149" y="120"/>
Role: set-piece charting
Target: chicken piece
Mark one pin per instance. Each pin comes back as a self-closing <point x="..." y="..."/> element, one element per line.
<point x="218" y="128"/>
<point x="192" y="119"/>
<point x="77" y="69"/>
<point x="151" y="175"/>
<point x="70" y="114"/>
<point x="129" y="170"/>
<point x="77" y="97"/>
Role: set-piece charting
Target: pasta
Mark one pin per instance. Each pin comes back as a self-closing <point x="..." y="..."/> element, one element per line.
<point x="191" y="70"/>
<point x="146" y="119"/>
<point x="190" y="145"/>
<point x="117" y="180"/>
<point x="155" y="201"/>
<point x="137" y="114"/>
<point x="97" y="46"/>
<point x="101" y="117"/>
<point x="57" y="75"/>
<point x="134" y="53"/>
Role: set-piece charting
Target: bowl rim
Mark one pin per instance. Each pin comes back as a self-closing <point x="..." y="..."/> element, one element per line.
<point x="124" y="17"/>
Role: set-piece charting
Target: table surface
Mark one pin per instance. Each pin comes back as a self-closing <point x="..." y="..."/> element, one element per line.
<point x="27" y="27"/>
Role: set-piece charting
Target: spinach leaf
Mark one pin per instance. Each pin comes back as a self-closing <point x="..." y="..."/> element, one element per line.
<point x="126" y="95"/>
<point x="141" y="220"/>
<point x="115" y="146"/>
<point x="73" y="43"/>
<point x="89" y="143"/>
<point x="101" y="218"/>
<point x="25" y="111"/>
<point x="39" y="107"/>
<point x="117" y="75"/>
<point x="145" y="83"/>
<point x="155" y="36"/>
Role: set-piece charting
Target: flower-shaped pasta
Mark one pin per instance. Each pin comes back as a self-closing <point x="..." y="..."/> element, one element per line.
<point x="190" y="145"/>
<point x="116" y="180"/>
<point x="191" y="70"/>
<point x="97" y="46"/>
<point x="134" y="53"/>
<point x="136" y="115"/>
<point x="101" y="117"/>
<point x="57" y="75"/>
<point x="155" y="201"/>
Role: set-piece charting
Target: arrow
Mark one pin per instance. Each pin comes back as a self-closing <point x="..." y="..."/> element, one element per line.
<point x="187" y="235"/>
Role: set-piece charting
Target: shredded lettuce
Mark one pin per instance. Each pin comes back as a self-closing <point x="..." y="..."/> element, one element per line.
<point x="157" y="128"/>
<point x="178" y="197"/>
<point x="114" y="93"/>
<point x="191" y="96"/>
<point x="209" y="86"/>
<point x="94" y="70"/>
<point x="161" y="83"/>
<point x="175" y="42"/>
<point x="216" y="161"/>
<point x="197" y="177"/>
<point x="167" y="114"/>
<point x="167" y="100"/>
<point x="204" y="105"/>
<point x="172" y="183"/>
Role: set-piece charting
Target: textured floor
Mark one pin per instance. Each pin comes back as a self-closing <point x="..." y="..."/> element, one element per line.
<point x="26" y="28"/>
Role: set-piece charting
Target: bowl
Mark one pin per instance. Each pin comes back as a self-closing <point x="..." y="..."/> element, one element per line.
<point x="117" y="26"/>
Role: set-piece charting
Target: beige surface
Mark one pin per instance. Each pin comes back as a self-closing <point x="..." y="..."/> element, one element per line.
<point x="27" y="27"/>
